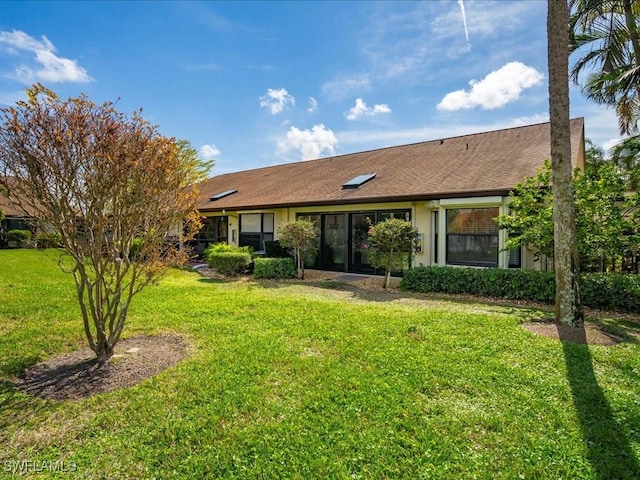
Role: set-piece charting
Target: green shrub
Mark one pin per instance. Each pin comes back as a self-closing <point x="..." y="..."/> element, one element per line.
<point x="20" y="237"/>
<point x="274" y="268"/>
<point x="606" y="291"/>
<point x="273" y="249"/>
<point x="48" y="240"/>
<point x="611" y="291"/>
<point x="219" y="248"/>
<point x="136" y="245"/>
<point x="229" y="263"/>
<point x="214" y="248"/>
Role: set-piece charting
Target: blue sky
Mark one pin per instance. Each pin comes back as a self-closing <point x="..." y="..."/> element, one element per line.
<point x="253" y="84"/>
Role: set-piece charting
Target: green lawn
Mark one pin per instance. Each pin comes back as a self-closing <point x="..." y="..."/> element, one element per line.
<point x="300" y="381"/>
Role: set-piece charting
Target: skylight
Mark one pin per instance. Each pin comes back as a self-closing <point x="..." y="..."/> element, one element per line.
<point x="220" y="195"/>
<point x="359" y="180"/>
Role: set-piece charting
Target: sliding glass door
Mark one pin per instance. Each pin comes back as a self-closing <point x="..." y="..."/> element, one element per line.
<point x="334" y="241"/>
<point x="359" y="255"/>
<point x="343" y="243"/>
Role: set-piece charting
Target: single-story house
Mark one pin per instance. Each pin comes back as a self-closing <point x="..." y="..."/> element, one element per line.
<point x="451" y="189"/>
<point x="14" y="218"/>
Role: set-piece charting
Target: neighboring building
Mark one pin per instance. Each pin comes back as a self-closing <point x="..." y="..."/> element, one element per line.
<point x="450" y="189"/>
<point x="14" y="218"/>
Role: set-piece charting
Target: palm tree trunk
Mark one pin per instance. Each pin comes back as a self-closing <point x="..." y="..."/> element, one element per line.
<point x="630" y="21"/>
<point x="568" y="306"/>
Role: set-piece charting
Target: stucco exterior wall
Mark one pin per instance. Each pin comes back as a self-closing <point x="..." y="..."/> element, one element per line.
<point x="421" y="216"/>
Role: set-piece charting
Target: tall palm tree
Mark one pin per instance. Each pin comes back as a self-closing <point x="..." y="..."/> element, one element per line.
<point x="608" y="31"/>
<point x="568" y="305"/>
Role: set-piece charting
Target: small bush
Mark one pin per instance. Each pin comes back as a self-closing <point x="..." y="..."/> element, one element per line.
<point x="229" y="263"/>
<point x="605" y="291"/>
<point x="48" y="240"/>
<point x="273" y="249"/>
<point x="136" y="245"/>
<point x="224" y="247"/>
<point x="611" y="291"/>
<point x="219" y="248"/>
<point x="274" y="268"/>
<point x="20" y="237"/>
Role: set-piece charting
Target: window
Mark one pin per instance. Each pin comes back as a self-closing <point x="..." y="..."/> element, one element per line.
<point x="388" y="214"/>
<point x="472" y="237"/>
<point x="515" y="258"/>
<point x="214" y="230"/>
<point x="16" y="224"/>
<point x="255" y="229"/>
<point x="220" y="195"/>
<point x="355" y="182"/>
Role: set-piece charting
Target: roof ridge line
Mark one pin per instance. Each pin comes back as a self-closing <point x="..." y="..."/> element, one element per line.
<point x="442" y="139"/>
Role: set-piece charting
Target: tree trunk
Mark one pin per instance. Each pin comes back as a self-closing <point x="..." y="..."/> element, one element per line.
<point x="103" y="351"/>
<point x="387" y="273"/>
<point x="568" y="306"/>
<point x="299" y="263"/>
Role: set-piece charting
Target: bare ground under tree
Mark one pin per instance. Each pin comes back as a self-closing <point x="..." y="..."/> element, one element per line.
<point x="78" y="374"/>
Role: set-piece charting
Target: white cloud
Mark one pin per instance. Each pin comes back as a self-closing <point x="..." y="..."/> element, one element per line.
<point x="48" y="66"/>
<point x="483" y="19"/>
<point x="345" y="85"/>
<point x="498" y="88"/>
<point x="277" y="100"/>
<point x="531" y="119"/>
<point x="313" y="105"/>
<point x="360" y="109"/>
<point x="607" y="145"/>
<point x="310" y="143"/>
<point x="209" y="152"/>
<point x="407" y="42"/>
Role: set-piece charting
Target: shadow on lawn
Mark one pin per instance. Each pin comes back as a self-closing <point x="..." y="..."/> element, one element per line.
<point x="377" y="295"/>
<point x="16" y="408"/>
<point x="608" y="448"/>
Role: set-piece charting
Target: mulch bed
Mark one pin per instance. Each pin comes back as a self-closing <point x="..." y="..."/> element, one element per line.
<point x="78" y="374"/>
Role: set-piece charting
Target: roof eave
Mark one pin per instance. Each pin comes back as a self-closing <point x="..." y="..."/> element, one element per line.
<point x="360" y="200"/>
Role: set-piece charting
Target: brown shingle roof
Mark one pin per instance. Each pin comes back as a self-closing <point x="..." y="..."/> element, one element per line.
<point x="488" y="163"/>
<point x="8" y="207"/>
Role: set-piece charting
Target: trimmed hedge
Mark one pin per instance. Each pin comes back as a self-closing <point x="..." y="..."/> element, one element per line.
<point x="48" y="240"/>
<point x="229" y="263"/>
<point x="224" y="247"/>
<point x="603" y="291"/>
<point x="611" y="291"/>
<point x="20" y="237"/>
<point x="274" y="268"/>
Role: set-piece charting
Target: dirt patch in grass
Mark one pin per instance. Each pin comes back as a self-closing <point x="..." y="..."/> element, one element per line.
<point x="589" y="335"/>
<point x="78" y="375"/>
